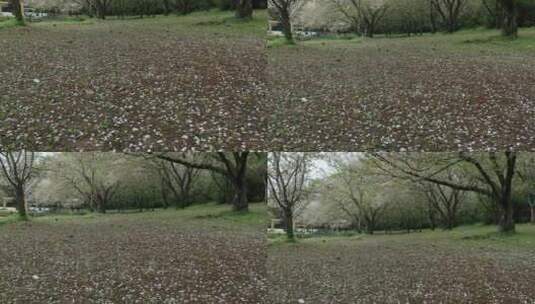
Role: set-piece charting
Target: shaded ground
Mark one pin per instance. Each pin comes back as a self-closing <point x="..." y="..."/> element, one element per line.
<point x="194" y="256"/>
<point x="165" y="83"/>
<point x="469" y="90"/>
<point x="429" y="267"/>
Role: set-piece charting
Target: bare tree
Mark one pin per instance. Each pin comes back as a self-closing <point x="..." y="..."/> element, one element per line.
<point x="494" y="175"/>
<point x="356" y="194"/>
<point x="449" y="11"/>
<point x="287" y="173"/>
<point x="286" y="10"/>
<point x="444" y="201"/>
<point x="363" y="15"/>
<point x="177" y="179"/>
<point x="231" y="165"/>
<point x="84" y="172"/>
<point x="17" y="170"/>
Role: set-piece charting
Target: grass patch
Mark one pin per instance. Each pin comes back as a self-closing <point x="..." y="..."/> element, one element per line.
<point x="256" y="215"/>
<point x="315" y="239"/>
<point x="68" y="20"/>
<point x="491" y="40"/>
<point x="276" y="42"/>
<point x="8" y="219"/>
<point x="212" y="21"/>
<point x="488" y="236"/>
<point x="478" y="39"/>
<point x="473" y="235"/>
<point x="9" y="23"/>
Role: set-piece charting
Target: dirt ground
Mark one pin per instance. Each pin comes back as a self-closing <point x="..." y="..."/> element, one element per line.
<point x="151" y="257"/>
<point x="418" y="268"/>
<point x="164" y="83"/>
<point x="464" y="91"/>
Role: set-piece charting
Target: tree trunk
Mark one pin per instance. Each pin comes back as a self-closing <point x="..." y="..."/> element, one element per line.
<point x="532" y="219"/>
<point x="510" y="15"/>
<point x="240" y="202"/>
<point x="18" y="10"/>
<point x="370" y="228"/>
<point x="369" y="31"/>
<point x="20" y="200"/>
<point x="101" y="208"/>
<point x="289" y="225"/>
<point x="507" y="223"/>
<point x="101" y="10"/>
<point x="101" y="205"/>
<point x="449" y="224"/>
<point x="432" y="220"/>
<point x="287" y="26"/>
<point x="450" y="220"/>
<point x="432" y="19"/>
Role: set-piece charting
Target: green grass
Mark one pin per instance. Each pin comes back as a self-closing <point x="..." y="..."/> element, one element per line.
<point x="8" y="219"/>
<point x="66" y="20"/>
<point x="275" y="42"/>
<point x="479" y="40"/>
<point x="212" y="21"/>
<point x="213" y="213"/>
<point x="470" y="235"/>
<point x="278" y="240"/>
<point x="8" y="23"/>
<point x="487" y="235"/>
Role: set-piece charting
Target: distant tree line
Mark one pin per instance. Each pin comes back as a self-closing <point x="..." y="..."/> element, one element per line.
<point x="99" y="182"/>
<point x="403" y="191"/>
<point x="104" y="8"/>
<point x="408" y="17"/>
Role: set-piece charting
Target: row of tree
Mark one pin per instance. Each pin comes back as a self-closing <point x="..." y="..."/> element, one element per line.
<point x="103" y="181"/>
<point x="103" y="8"/>
<point x="369" y="17"/>
<point x="397" y="191"/>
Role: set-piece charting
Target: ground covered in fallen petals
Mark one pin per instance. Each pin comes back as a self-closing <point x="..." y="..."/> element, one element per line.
<point x="185" y="256"/>
<point x="470" y="90"/>
<point x="463" y="266"/>
<point x="163" y="83"/>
